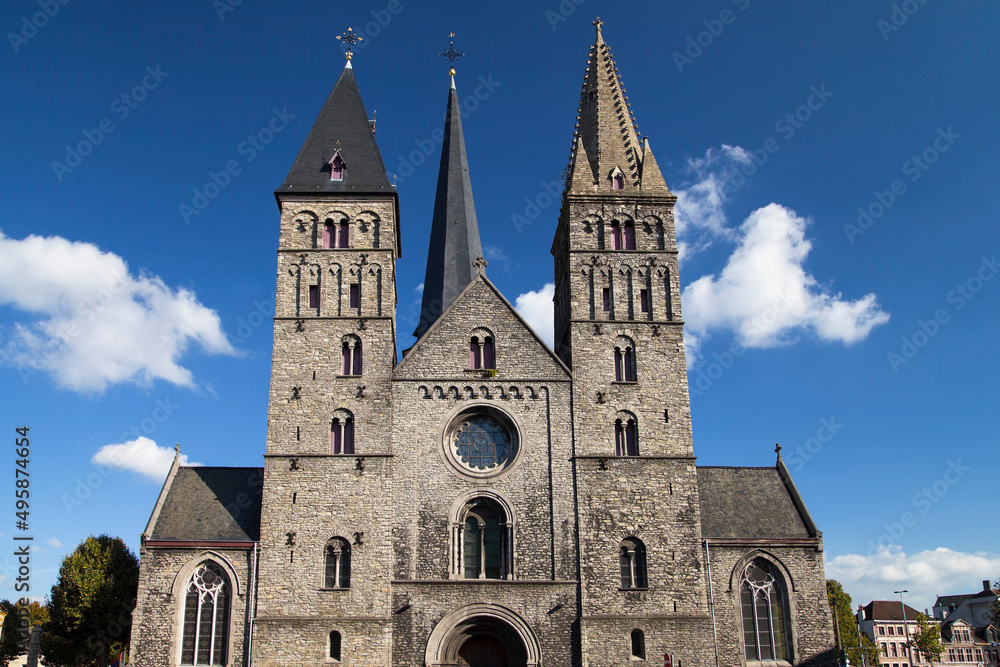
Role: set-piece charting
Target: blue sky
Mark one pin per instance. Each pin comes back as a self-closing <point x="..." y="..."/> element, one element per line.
<point x="836" y="169"/>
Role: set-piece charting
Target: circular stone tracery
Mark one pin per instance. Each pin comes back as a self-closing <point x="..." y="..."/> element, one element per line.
<point x="482" y="443"/>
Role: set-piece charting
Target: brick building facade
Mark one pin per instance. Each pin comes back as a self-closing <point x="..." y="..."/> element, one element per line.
<point x="485" y="500"/>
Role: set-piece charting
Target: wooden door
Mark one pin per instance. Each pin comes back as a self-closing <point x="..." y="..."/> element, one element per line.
<point x="482" y="651"/>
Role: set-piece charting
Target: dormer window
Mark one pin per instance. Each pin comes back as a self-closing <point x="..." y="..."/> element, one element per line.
<point x="337" y="166"/>
<point x="619" y="183"/>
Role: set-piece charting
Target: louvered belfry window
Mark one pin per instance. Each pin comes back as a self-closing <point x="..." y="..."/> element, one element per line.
<point x="762" y="600"/>
<point x="206" y="617"/>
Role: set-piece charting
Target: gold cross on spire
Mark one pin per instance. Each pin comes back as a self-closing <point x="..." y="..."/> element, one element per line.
<point x="452" y="55"/>
<point x="349" y="38"/>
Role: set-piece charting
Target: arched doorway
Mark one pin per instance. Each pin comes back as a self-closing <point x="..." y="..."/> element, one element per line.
<point x="482" y="635"/>
<point x="482" y="651"/>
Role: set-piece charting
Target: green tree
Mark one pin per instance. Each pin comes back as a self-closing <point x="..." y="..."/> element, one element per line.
<point x="860" y="649"/>
<point x="14" y="634"/>
<point x="90" y="607"/>
<point x="927" y="639"/>
<point x="995" y="609"/>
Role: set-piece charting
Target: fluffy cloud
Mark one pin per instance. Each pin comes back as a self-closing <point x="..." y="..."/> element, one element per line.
<point x="96" y="324"/>
<point x="141" y="455"/>
<point x="925" y="575"/>
<point x="53" y="542"/>
<point x="700" y="208"/>
<point x="765" y="295"/>
<point x="536" y="309"/>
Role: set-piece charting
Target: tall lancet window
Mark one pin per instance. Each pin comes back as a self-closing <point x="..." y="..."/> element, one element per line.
<point x="618" y="183"/>
<point x="342" y="433"/>
<point x="764" y="606"/>
<point x="337" y="573"/>
<point x="206" y="617"/>
<point x="337" y="167"/>
<point x="626" y="435"/>
<point x="350" y="353"/>
<point x="482" y="351"/>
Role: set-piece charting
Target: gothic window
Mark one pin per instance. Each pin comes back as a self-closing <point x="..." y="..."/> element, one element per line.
<point x="337" y="167"/>
<point x="618" y="183"/>
<point x="482" y="351"/>
<point x="355" y="295"/>
<point x="338" y="564"/>
<point x="632" y="558"/>
<point x="644" y="300"/>
<point x="483" y="541"/>
<point x="342" y="433"/>
<point x="350" y="353"/>
<point x="206" y="617"/>
<point x="335" y="645"/>
<point x="638" y="644"/>
<point x="624" y="360"/>
<point x="765" y="610"/>
<point x="626" y="435"/>
<point x="617" y="241"/>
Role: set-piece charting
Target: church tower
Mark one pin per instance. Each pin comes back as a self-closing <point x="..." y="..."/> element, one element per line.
<point x="618" y="325"/>
<point x="327" y="459"/>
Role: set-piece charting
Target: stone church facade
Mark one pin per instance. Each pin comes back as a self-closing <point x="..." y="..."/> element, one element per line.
<point x="485" y="500"/>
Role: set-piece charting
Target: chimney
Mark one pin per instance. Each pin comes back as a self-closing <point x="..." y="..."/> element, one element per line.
<point x="986" y="586"/>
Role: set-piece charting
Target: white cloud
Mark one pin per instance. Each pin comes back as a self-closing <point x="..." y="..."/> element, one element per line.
<point x="766" y="296"/>
<point x="536" y="309"/>
<point x="97" y="324"/>
<point x="496" y="256"/>
<point x="141" y="455"/>
<point x="53" y="542"/>
<point x="700" y="208"/>
<point x="925" y="575"/>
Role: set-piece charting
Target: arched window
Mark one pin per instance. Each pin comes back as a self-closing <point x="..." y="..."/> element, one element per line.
<point x="336" y="235"/>
<point x="628" y="236"/>
<point x="484" y="541"/>
<point x="338" y="564"/>
<point x="206" y="617"/>
<point x="617" y="241"/>
<point x="337" y="167"/>
<point x="342" y="433"/>
<point x="350" y="353"/>
<point x="335" y="645"/>
<point x="764" y="607"/>
<point x="618" y="183"/>
<point x="482" y="351"/>
<point x="624" y="360"/>
<point x="632" y="559"/>
<point x="626" y="435"/>
<point x="638" y="644"/>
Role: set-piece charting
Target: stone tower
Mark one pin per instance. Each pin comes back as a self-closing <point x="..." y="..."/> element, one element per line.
<point x="334" y="350"/>
<point x="618" y="325"/>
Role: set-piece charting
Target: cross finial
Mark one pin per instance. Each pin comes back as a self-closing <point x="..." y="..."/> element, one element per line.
<point x="349" y="38"/>
<point x="452" y="55"/>
<point x="480" y="264"/>
<point x="597" y="25"/>
<point x="177" y="448"/>
<point x="777" y="449"/>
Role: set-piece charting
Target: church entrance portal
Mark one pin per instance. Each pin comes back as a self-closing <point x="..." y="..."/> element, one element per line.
<point x="482" y="635"/>
<point x="483" y="651"/>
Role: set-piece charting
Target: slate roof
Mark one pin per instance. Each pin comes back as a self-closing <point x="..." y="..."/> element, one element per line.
<point x="888" y="610"/>
<point x="750" y="503"/>
<point x="342" y="125"/>
<point x="211" y="505"/>
<point x="455" y="244"/>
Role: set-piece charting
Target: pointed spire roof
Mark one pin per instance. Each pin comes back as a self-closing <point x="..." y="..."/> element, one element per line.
<point x="455" y="253"/>
<point x="607" y="134"/>
<point x="343" y="128"/>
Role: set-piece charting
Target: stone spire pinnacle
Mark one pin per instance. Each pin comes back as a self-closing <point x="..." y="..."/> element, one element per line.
<point x="455" y="252"/>
<point x="607" y="132"/>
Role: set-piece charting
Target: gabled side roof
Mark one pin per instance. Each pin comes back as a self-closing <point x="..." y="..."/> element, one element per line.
<point x="888" y="610"/>
<point x="204" y="504"/>
<point x="752" y="503"/>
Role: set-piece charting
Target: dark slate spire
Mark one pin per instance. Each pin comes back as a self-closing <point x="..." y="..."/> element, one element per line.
<point x="455" y="252"/>
<point x="342" y="127"/>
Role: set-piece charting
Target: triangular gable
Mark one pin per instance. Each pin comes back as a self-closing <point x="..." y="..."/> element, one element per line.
<point x="442" y="351"/>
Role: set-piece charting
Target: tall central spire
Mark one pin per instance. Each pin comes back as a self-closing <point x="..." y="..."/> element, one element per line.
<point x="455" y="252"/>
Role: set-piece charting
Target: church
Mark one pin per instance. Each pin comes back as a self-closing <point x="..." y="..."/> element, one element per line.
<point x="483" y="501"/>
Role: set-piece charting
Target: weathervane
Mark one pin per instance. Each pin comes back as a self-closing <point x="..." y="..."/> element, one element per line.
<point x="349" y="38"/>
<point x="451" y="54"/>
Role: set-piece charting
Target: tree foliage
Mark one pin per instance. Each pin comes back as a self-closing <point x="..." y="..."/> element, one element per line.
<point x="14" y="640"/>
<point x="90" y="607"/>
<point x="927" y="639"/>
<point x="860" y="649"/>
<point x="995" y="608"/>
